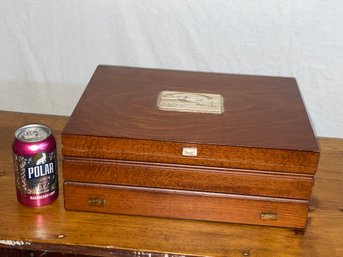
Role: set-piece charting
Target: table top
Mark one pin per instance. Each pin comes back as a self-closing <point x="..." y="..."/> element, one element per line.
<point x="53" y="229"/>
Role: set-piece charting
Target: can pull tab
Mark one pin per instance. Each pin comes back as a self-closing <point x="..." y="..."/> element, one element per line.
<point x="96" y="201"/>
<point x="29" y="134"/>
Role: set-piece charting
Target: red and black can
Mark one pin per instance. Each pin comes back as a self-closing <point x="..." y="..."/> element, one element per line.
<point x="35" y="165"/>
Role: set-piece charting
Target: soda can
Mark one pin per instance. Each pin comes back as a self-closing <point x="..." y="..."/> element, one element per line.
<point x="35" y="165"/>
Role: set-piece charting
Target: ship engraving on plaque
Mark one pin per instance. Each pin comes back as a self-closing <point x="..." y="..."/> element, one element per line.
<point x="190" y="102"/>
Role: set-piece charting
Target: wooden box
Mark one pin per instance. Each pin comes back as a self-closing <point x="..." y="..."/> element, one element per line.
<point x="190" y="145"/>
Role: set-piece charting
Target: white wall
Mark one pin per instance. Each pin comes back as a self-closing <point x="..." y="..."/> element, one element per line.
<point x="50" y="48"/>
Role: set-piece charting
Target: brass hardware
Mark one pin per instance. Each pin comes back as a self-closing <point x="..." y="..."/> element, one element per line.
<point x="268" y="216"/>
<point x="96" y="201"/>
<point x="246" y="253"/>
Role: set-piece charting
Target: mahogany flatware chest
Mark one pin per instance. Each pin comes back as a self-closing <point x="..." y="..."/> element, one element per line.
<point x="190" y="145"/>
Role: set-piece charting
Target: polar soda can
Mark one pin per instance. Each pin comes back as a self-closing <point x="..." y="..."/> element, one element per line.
<point x="35" y="165"/>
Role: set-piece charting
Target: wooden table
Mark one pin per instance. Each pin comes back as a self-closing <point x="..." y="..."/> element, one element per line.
<point x="52" y="231"/>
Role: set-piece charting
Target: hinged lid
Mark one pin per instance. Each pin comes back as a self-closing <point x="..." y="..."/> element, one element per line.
<point x="250" y="122"/>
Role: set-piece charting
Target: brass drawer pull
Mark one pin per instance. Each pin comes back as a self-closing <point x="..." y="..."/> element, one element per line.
<point x="96" y="201"/>
<point x="268" y="216"/>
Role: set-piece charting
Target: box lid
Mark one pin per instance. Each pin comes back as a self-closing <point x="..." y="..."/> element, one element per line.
<point x="254" y="122"/>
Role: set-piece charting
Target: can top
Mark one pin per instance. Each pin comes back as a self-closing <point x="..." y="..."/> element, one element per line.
<point x="32" y="133"/>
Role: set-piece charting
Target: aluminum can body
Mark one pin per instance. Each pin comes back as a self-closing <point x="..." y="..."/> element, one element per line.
<point x="35" y="165"/>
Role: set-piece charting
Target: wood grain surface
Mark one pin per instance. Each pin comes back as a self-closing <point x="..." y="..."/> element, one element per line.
<point x="208" y="155"/>
<point x="264" y="126"/>
<point x="182" y="204"/>
<point x="209" y="179"/>
<point x="56" y="230"/>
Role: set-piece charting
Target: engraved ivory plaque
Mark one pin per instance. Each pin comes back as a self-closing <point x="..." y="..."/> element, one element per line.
<point x="190" y="102"/>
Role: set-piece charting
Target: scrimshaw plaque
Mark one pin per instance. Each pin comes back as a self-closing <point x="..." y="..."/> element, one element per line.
<point x="190" y="102"/>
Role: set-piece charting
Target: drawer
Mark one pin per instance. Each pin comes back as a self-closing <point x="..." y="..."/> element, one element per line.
<point x="184" y="204"/>
<point x="186" y="177"/>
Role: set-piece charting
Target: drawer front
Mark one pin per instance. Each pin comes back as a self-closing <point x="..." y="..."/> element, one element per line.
<point x="185" y="204"/>
<point x="209" y="179"/>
